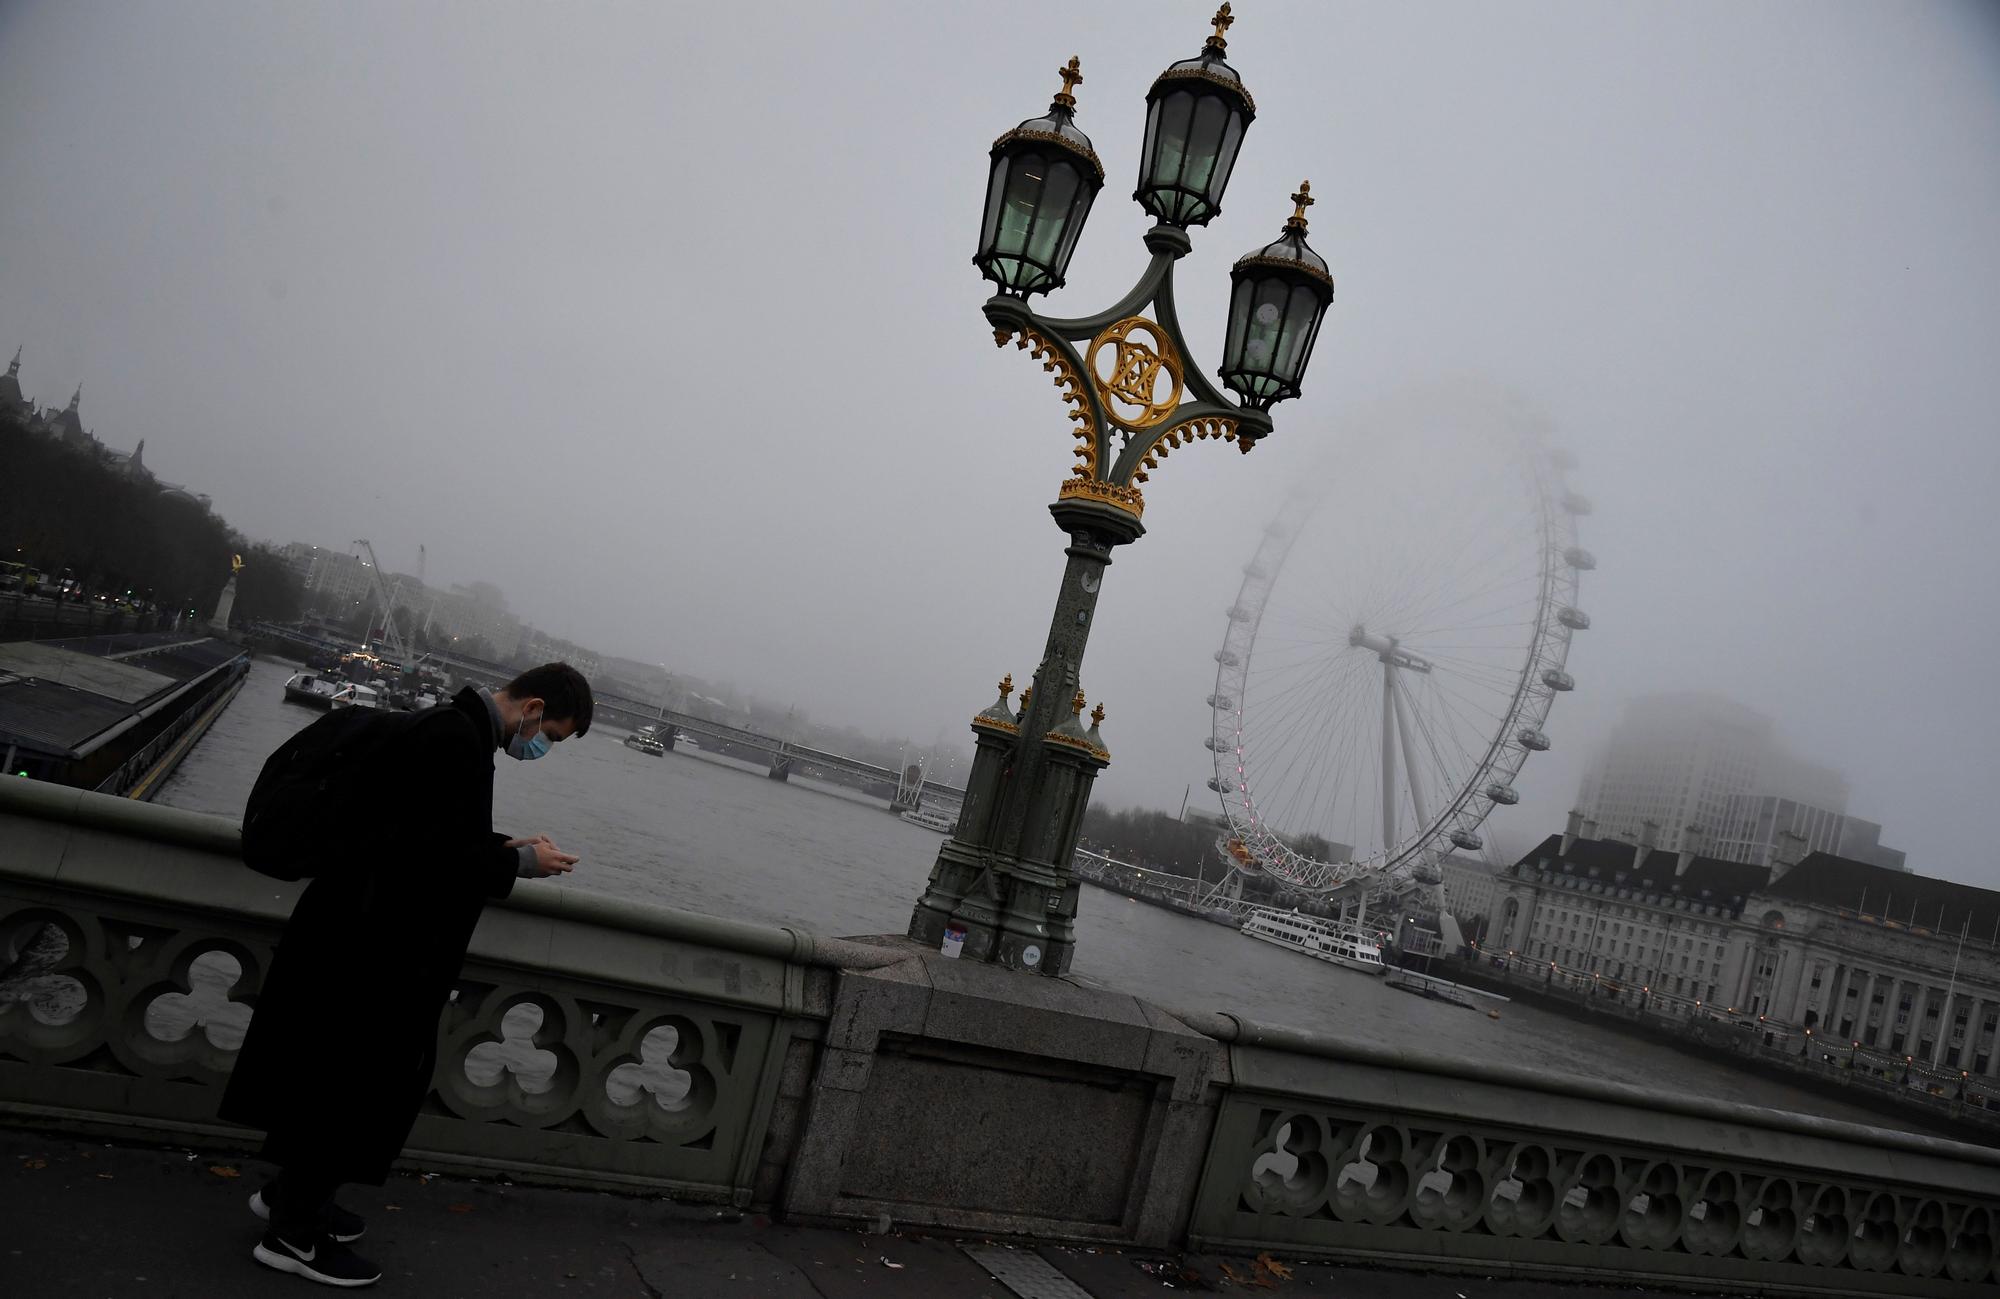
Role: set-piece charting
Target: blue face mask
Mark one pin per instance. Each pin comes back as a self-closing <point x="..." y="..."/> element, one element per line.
<point x="527" y="750"/>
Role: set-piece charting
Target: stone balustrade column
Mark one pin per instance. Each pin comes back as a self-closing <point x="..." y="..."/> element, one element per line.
<point x="1861" y="1007"/>
<point x="1829" y="1013"/>
<point x="1913" y="1040"/>
<point x="1952" y="999"/>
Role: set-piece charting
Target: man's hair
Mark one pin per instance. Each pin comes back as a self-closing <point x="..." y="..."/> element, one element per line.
<point x="565" y="695"/>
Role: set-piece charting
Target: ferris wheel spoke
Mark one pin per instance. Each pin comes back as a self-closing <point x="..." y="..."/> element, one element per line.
<point x="1518" y="589"/>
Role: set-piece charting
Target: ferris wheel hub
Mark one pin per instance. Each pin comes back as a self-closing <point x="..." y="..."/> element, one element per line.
<point x="1386" y="648"/>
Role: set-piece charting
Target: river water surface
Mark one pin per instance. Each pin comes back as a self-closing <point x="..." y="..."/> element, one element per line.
<point x="706" y="833"/>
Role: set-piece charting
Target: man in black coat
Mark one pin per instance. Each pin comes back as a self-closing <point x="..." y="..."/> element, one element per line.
<point x="340" y="1049"/>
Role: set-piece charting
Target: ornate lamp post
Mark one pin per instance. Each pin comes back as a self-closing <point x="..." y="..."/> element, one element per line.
<point x="1002" y="889"/>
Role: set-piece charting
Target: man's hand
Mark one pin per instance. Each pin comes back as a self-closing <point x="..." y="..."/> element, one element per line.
<point x="549" y="859"/>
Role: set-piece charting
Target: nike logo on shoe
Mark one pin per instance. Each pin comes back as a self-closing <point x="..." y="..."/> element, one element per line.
<point x="304" y="1255"/>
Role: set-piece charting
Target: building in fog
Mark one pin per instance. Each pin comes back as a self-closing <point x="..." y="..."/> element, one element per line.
<point x="336" y="582"/>
<point x="1753" y="823"/>
<point x="1678" y="759"/>
<point x="1859" y="952"/>
<point x="1471" y="888"/>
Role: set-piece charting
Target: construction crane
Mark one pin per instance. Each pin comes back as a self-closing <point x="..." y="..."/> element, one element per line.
<point x="397" y="648"/>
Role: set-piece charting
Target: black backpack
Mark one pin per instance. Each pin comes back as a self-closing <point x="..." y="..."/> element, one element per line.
<point x="302" y="808"/>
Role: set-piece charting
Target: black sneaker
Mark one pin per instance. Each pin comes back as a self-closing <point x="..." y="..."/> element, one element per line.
<point x="337" y="1222"/>
<point x="322" y="1259"/>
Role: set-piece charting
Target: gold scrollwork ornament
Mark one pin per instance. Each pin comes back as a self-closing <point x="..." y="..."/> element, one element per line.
<point x="1144" y="374"/>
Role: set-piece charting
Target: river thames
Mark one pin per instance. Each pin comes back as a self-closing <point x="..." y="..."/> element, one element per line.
<point x="705" y="833"/>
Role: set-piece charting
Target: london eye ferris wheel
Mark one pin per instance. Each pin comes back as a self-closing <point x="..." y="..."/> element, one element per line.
<point x="1397" y="643"/>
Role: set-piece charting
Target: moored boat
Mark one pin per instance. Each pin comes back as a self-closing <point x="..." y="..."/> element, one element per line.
<point x="1321" y="939"/>
<point x="354" y="695"/>
<point x="646" y="742"/>
<point x="311" y="689"/>
<point x="932" y="818"/>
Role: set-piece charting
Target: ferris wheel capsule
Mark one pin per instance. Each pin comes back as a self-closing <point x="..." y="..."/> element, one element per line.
<point x="1502" y="794"/>
<point x="1467" y="840"/>
<point x="1574" y="619"/>
<point x="1580" y="559"/>
<point x="1533" y="740"/>
<point x="1557" y="679"/>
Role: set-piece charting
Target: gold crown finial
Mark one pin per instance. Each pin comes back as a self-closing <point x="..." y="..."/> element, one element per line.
<point x="1076" y="704"/>
<point x="1097" y="716"/>
<point x="1223" y="18"/>
<point x="1026" y="695"/>
<point x="1301" y="201"/>
<point x="1072" y="77"/>
<point x="1007" y="685"/>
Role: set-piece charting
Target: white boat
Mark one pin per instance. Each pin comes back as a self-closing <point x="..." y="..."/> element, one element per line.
<point x="352" y="695"/>
<point x="1317" y="938"/>
<point x="931" y="818"/>
<point x="310" y="689"/>
<point x="646" y="742"/>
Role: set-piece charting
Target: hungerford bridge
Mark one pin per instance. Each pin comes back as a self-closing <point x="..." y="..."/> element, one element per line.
<point x="911" y="786"/>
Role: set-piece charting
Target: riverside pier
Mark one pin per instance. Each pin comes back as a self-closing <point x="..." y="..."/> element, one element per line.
<point x="114" y="713"/>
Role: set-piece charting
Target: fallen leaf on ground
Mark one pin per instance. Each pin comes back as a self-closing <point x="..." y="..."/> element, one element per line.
<point x="105" y="1177"/>
<point x="34" y="1163"/>
<point x="1268" y="1264"/>
<point x="392" y="1208"/>
<point x="223" y="1170"/>
<point x="887" y="1263"/>
<point x="458" y="1208"/>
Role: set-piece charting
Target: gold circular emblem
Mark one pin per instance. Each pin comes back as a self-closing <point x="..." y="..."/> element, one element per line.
<point x="1140" y="384"/>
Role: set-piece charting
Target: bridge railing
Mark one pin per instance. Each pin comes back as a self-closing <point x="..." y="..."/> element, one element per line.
<point x="1325" y="1147"/>
<point x="590" y="1041"/>
<point x="603" y="1043"/>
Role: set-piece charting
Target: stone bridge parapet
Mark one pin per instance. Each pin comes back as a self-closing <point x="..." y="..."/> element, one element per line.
<point x="594" y="1042"/>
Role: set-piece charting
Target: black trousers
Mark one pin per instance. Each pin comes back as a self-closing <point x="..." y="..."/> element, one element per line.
<point x="298" y="1199"/>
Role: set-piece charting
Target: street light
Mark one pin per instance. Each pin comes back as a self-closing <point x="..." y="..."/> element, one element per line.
<point x="1002" y="889"/>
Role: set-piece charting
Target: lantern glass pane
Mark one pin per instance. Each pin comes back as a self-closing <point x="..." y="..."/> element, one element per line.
<point x="1056" y="196"/>
<point x="1073" y="227"/>
<point x="996" y="188"/>
<point x="1170" y="160"/>
<point x="1239" y="323"/>
<point x="1225" y="157"/>
<point x="1261" y="340"/>
<point x="1299" y="311"/>
<point x="1204" y="140"/>
<point x="1147" y="170"/>
<point x="1023" y="200"/>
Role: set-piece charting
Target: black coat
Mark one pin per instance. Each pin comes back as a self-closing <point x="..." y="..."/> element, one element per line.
<point x="340" y="1049"/>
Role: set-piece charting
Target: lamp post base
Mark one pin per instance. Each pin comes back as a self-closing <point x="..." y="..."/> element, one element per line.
<point x="1017" y="914"/>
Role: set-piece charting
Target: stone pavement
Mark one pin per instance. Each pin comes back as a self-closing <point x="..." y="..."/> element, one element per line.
<point x="84" y="1218"/>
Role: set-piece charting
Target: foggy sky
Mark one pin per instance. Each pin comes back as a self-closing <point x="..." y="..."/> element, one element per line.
<point x="663" y="319"/>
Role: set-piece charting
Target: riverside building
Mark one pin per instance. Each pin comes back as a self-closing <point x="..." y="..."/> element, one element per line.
<point x="1863" y="956"/>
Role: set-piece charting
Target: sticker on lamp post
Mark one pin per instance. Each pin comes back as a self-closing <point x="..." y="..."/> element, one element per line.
<point x="954" y="941"/>
<point x="1031" y="956"/>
